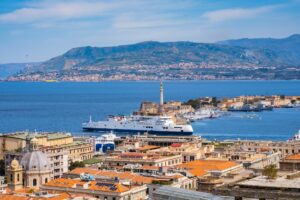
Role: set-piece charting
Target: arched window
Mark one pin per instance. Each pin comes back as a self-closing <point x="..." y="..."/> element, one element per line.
<point x="18" y="177"/>
<point x="46" y="180"/>
<point x="34" y="182"/>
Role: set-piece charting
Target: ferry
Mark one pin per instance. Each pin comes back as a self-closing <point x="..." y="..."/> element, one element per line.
<point x="201" y="114"/>
<point x="105" y="142"/>
<point x="160" y="125"/>
<point x="250" y="108"/>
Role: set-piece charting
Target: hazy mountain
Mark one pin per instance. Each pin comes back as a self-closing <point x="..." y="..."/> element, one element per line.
<point x="265" y="58"/>
<point x="288" y="48"/>
<point x="13" y="68"/>
<point x="164" y="53"/>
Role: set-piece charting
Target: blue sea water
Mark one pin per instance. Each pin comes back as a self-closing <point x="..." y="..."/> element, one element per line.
<point x="63" y="106"/>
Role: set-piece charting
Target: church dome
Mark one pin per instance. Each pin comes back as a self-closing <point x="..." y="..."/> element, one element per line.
<point x="35" y="161"/>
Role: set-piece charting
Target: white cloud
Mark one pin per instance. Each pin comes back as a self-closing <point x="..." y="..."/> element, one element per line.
<point x="57" y="11"/>
<point x="237" y="13"/>
<point x="144" y="20"/>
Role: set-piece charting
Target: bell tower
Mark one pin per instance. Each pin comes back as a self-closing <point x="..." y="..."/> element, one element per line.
<point x="34" y="144"/>
<point x="14" y="175"/>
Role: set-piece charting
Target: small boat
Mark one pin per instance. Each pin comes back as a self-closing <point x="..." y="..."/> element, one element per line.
<point x="296" y="137"/>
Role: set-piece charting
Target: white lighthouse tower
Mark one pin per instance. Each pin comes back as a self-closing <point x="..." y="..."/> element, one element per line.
<point x="161" y="94"/>
<point x="161" y="102"/>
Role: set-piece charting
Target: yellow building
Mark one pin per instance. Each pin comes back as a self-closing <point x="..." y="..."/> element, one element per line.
<point x="15" y="141"/>
<point x="51" y="143"/>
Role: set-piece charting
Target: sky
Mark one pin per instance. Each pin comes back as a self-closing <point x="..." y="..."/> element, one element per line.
<point x="34" y="31"/>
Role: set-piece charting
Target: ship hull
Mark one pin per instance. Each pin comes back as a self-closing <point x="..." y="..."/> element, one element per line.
<point x="153" y="132"/>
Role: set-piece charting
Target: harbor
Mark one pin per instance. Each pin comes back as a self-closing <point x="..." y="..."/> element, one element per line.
<point x="41" y="106"/>
<point x="177" y="118"/>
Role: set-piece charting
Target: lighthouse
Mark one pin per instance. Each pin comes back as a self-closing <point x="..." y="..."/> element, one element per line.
<point x="161" y="102"/>
<point x="161" y="94"/>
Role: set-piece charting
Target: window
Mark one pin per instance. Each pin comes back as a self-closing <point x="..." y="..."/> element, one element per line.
<point x="46" y="180"/>
<point x="11" y="177"/>
<point x="34" y="182"/>
<point x="18" y="177"/>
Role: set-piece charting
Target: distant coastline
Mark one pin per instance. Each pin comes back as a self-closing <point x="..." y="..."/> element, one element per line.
<point x="241" y="59"/>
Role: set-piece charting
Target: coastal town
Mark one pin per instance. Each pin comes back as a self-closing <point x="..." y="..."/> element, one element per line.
<point x="60" y="166"/>
<point x="41" y="165"/>
<point x="149" y="100"/>
<point x="180" y="71"/>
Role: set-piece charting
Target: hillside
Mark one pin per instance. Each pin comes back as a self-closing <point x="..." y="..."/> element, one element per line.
<point x="156" y="53"/>
<point x="13" y="68"/>
<point x="288" y="48"/>
<point x="232" y="59"/>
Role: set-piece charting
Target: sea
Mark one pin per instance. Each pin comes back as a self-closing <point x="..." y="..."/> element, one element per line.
<point x="63" y="106"/>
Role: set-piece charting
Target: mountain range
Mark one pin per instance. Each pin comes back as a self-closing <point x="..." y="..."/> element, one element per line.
<point x="150" y="57"/>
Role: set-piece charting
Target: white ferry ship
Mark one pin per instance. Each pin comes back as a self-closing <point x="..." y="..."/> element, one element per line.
<point x="159" y="124"/>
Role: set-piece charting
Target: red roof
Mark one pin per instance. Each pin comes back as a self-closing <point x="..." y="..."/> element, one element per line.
<point x="133" y="154"/>
<point x="176" y="145"/>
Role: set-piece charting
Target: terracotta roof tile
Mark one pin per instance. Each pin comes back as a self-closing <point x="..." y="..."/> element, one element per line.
<point x="12" y="197"/>
<point x="176" y="145"/>
<point x="202" y="167"/>
<point x="111" y="174"/>
<point x="92" y="185"/>
<point x="293" y="157"/>
<point x="148" y="147"/>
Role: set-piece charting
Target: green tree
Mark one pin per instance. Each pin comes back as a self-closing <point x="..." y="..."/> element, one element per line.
<point x="76" y="164"/>
<point x="270" y="171"/>
<point x="282" y="96"/>
<point x="195" y="103"/>
<point x="214" y="101"/>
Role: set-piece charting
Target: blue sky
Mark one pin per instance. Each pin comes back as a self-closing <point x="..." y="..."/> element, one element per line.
<point x="32" y="30"/>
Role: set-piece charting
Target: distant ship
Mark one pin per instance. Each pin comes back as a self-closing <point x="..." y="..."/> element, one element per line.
<point x="250" y="108"/>
<point x="105" y="143"/>
<point x="157" y="124"/>
<point x="296" y="137"/>
<point x="201" y="114"/>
